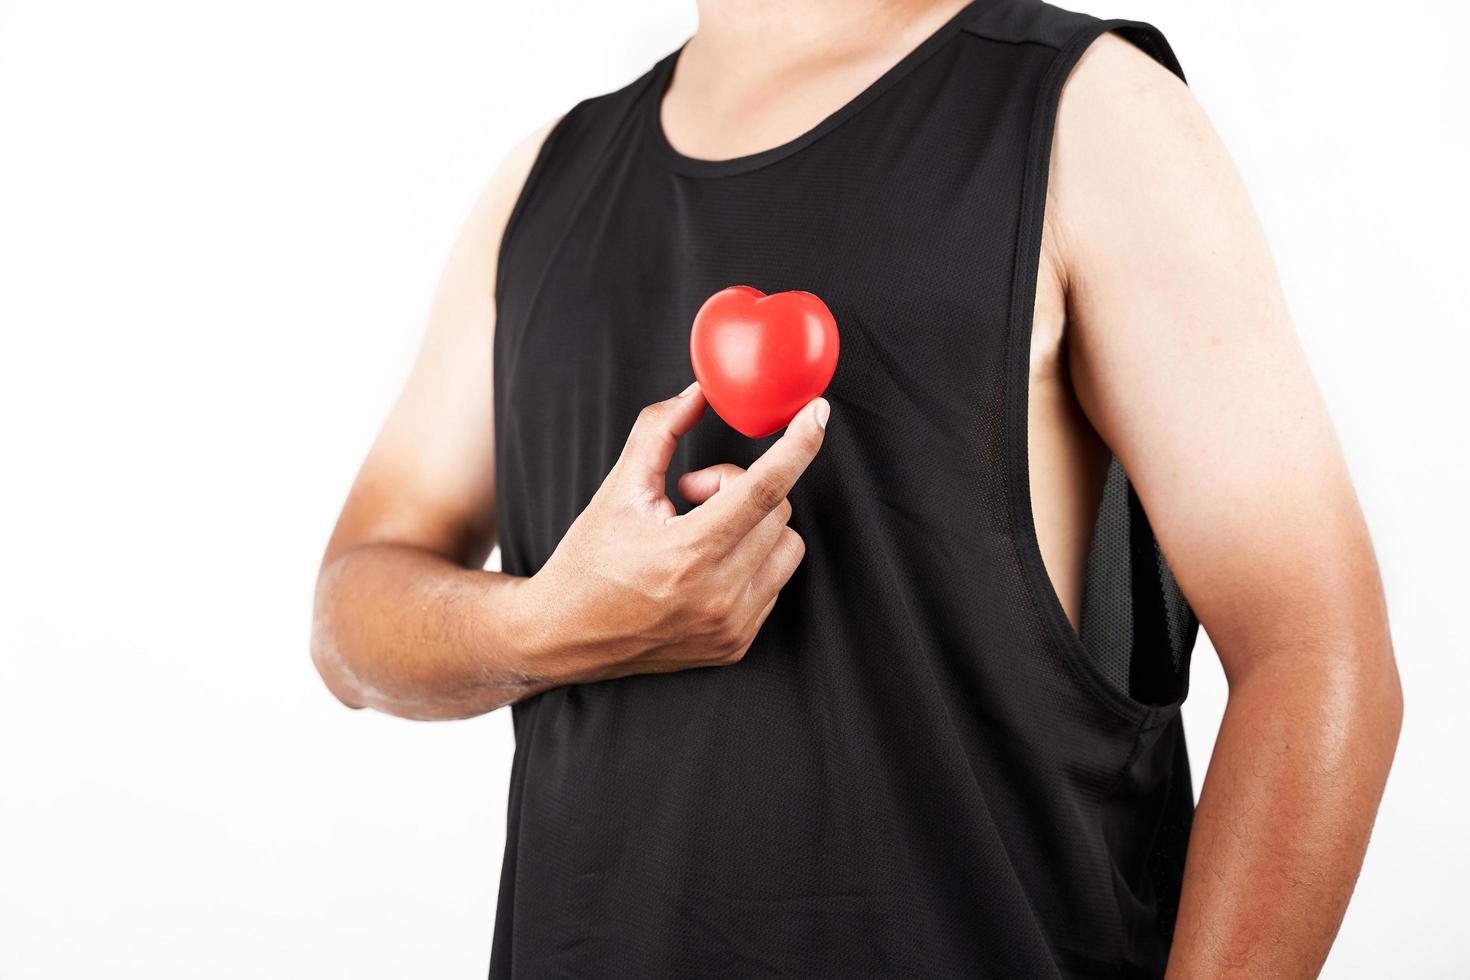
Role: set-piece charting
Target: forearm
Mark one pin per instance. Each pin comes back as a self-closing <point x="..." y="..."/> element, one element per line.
<point x="407" y="632"/>
<point x="633" y="587"/>
<point x="1285" y="813"/>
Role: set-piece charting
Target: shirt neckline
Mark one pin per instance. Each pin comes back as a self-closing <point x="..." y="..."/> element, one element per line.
<point x="699" y="167"/>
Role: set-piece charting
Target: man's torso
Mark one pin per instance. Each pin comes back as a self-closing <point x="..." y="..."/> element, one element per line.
<point x="919" y="768"/>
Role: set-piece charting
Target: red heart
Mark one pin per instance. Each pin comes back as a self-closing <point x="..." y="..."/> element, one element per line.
<point x="759" y="359"/>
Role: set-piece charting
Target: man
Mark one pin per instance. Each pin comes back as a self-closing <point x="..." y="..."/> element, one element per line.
<point x="942" y="620"/>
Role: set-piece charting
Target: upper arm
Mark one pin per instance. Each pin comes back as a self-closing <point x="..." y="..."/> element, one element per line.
<point x="429" y="479"/>
<point x="1186" y="362"/>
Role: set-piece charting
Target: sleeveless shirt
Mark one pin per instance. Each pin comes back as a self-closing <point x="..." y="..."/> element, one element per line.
<point x="920" y="768"/>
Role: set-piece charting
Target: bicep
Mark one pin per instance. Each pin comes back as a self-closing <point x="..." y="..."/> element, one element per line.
<point x="429" y="478"/>
<point x="1185" y="360"/>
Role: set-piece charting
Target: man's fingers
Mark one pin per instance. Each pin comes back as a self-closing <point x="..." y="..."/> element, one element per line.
<point x="760" y="620"/>
<point x="766" y="613"/>
<point x="779" y="565"/>
<point x="650" y="444"/>
<point x="756" y="546"/>
<point x="698" y="486"/>
<point x="729" y="516"/>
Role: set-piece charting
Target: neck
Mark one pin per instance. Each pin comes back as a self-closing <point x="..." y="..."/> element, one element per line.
<point x="729" y="30"/>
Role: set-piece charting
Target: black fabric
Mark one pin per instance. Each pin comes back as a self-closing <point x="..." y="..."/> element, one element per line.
<point x="920" y="769"/>
<point x="1136" y="624"/>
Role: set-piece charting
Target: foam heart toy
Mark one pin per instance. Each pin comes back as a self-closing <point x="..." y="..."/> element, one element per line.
<point x="759" y="359"/>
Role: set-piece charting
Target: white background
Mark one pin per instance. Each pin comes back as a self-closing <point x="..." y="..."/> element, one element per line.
<point x="220" y="225"/>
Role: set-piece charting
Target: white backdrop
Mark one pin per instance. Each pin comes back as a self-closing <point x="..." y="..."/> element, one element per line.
<point x="220" y="225"/>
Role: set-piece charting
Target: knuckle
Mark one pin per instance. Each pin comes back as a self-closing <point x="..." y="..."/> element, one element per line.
<point x="648" y="416"/>
<point x="809" y="441"/>
<point x="715" y="612"/>
<point x="664" y="588"/>
<point x="794" y="544"/>
<point x="766" y="492"/>
<point x="682" y="568"/>
<point x="732" y="640"/>
<point x="658" y="582"/>
<point x="694" y="556"/>
<point x="681" y="562"/>
<point x="726" y="472"/>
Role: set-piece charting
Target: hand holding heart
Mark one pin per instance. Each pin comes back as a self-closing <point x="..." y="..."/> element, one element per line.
<point x="636" y="588"/>
<point x="760" y="358"/>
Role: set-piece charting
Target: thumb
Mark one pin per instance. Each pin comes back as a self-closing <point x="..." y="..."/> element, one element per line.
<point x="650" y="446"/>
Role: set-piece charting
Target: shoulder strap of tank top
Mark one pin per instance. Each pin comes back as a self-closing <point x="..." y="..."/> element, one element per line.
<point x="581" y="138"/>
<point x="1018" y="21"/>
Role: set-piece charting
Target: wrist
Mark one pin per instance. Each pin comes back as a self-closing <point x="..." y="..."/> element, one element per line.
<point x="540" y="627"/>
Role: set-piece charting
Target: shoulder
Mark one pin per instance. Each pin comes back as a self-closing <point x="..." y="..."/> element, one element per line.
<point x="1068" y="32"/>
<point x="1114" y="82"/>
<point x="546" y="172"/>
<point x="505" y="184"/>
<point x="1027" y="21"/>
<point x="1133" y="155"/>
<point x="598" y="118"/>
<point x="474" y="252"/>
<point x="513" y="168"/>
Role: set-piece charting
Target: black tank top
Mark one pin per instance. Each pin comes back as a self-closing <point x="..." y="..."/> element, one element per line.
<point x="919" y="769"/>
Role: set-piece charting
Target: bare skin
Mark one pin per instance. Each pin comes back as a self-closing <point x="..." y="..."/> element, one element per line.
<point x="1160" y="332"/>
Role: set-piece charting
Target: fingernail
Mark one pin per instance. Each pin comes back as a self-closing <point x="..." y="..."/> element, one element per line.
<point x="690" y="390"/>
<point x="822" y="411"/>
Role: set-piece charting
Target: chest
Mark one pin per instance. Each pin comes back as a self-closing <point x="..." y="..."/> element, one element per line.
<point x="904" y="221"/>
<point x="920" y="286"/>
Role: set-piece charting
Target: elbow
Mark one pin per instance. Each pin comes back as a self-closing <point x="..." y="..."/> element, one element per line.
<point x="1369" y="700"/>
<point x="1345" y="692"/>
<point x="1382" y="716"/>
<point x="335" y="677"/>
<point x="1393" y="700"/>
<point x="1380" y="692"/>
<point x="326" y="655"/>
